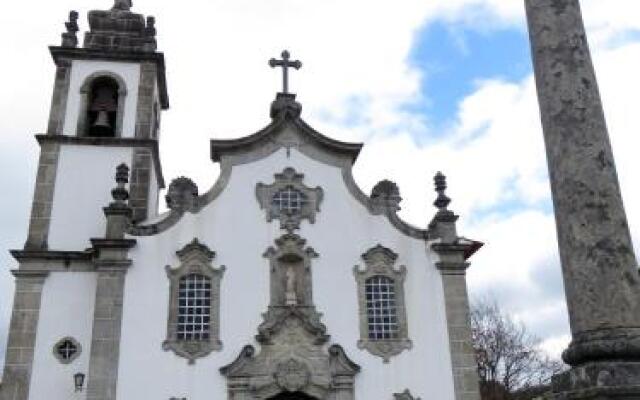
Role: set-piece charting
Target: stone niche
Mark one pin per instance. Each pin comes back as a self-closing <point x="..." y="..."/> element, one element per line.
<point x="293" y="361"/>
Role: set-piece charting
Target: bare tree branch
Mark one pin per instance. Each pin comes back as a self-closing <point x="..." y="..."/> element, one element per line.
<point x="510" y="362"/>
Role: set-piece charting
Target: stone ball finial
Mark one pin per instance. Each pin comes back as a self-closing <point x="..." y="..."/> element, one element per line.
<point x="182" y="194"/>
<point x="386" y="194"/>
<point x="120" y="193"/>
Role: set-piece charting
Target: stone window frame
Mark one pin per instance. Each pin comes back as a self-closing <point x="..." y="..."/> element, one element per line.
<point x="74" y="356"/>
<point x="380" y="261"/>
<point x="85" y="91"/>
<point x="289" y="178"/>
<point x="195" y="258"/>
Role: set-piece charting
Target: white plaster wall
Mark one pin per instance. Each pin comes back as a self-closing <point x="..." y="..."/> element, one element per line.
<point x="80" y="70"/>
<point x="235" y="227"/>
<point x="66" y="310"/>
<point x="84" y="180"/>
<point x="154" y="193"/>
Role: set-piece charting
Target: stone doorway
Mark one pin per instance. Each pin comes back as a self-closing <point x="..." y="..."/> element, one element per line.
<point x="292" y="396"/>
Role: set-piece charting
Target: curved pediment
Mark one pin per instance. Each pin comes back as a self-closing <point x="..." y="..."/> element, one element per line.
<point x="286" y="131"/>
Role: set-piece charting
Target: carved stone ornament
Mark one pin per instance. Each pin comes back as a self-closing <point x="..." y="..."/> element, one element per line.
<point x="406" y="395"/>
<point x="299" y="366"/>
<point x="385" y="195"/>
<point x="292" y="375"/>
<point x="182" y="194"/>
<point x="380" y="262"/>
<point x="67" y="350"/>
<point x="289" y="200"/>
<point x="195" y="258"/>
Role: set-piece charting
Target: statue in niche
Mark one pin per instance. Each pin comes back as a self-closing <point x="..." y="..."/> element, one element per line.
<point x="291" y="299"/>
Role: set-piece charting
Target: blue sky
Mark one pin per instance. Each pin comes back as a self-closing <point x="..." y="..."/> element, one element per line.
<point x="452" y="71"/>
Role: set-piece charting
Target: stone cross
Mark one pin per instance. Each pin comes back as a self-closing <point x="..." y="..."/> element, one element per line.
<point x="285" y="64"/>
<point x="598" y="263"/>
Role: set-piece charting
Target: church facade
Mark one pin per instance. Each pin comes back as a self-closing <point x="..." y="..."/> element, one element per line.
<point x="282" y="281"/>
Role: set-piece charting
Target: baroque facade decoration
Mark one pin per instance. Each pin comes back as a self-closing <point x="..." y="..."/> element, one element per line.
<point x="193" y="328"/>
<point x="289" y="200"/>
<point x="383" y="318"/>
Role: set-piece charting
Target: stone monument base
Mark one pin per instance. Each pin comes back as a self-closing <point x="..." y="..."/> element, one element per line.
<point x="603" y="380"/>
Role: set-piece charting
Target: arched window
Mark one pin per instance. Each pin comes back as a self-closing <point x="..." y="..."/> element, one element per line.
<point x="382" y="315"/>
<point x="102" y="113"/>
<point x="384" y="329"/>
<point x="194" y="308"/>
<point x="102" y="105"/>
<point x="193" y="327"/>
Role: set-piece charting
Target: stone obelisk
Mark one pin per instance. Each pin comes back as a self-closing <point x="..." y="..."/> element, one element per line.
<point x="601" y="279"/>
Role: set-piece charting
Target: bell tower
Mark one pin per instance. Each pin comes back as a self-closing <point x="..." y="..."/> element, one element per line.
<point x="108" y="97"/>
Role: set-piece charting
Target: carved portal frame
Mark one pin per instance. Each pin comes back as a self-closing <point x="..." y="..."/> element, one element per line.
<point x="380" y="261"/>
<point x="195" y="258"/>
<point x="289" y="178"/>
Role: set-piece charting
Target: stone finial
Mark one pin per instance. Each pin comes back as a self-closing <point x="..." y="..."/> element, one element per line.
<point x="120" y="29"/>
<point x="120" y="193"/>
<point x="182" y="194"/>
<point x="150" y="32"/>
<point x="285" y="105"/>
<point x="442" y="201"/>
<point x="386" y="195"/>
<point x="70" y="37"/>
<point x="122" y="5"/>
<point x="443" y="223"/>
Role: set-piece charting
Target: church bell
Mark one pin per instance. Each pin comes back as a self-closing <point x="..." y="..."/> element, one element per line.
<point x="104" y="105"/>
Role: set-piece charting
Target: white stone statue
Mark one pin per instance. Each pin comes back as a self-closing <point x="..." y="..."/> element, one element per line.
<point x="291" y="299"/>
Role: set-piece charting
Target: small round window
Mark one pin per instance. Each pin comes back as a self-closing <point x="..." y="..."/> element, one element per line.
<point x="289" y="200"/>
<point x="66" y="350"/>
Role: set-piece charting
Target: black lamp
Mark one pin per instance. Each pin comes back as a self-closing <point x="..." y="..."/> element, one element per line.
<point x="78" y="380"/>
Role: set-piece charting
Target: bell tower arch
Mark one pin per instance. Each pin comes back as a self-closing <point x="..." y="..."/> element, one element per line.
<point x="108" y="97"/>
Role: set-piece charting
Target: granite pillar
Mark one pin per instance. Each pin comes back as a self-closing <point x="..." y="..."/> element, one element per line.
<point x="22" y="335"/>
<point x="598" y="264"/>
<point x="111" y="264"/>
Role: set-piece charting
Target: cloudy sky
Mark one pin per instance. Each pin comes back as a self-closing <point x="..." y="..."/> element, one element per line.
<point x="428" y="85"/>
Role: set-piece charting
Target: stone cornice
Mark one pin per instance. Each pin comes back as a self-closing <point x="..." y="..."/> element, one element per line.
<point x="51" y="255"/>
<point x="151" y="144"/>
<point x="35" y="274"/>
<point x="465" y="246"/>
<point x="61" y="54"/>
<point x="125" y="244"/>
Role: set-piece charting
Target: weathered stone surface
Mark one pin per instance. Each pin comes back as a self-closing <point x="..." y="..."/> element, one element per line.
<point x="22" y="335"/>
<point x="599" y="266"/>
<point x="43" y="196"/>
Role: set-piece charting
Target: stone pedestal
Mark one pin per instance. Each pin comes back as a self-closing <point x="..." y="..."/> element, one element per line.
<point x="600" y="380"/>
<point x="598" y="264"/>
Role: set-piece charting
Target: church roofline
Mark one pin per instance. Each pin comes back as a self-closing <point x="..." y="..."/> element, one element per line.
<point x="60" y="54"/>
<point x="222" y="147"/>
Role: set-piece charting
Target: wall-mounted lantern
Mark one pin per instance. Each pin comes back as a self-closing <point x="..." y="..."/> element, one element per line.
<point x="78" y="380"/>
